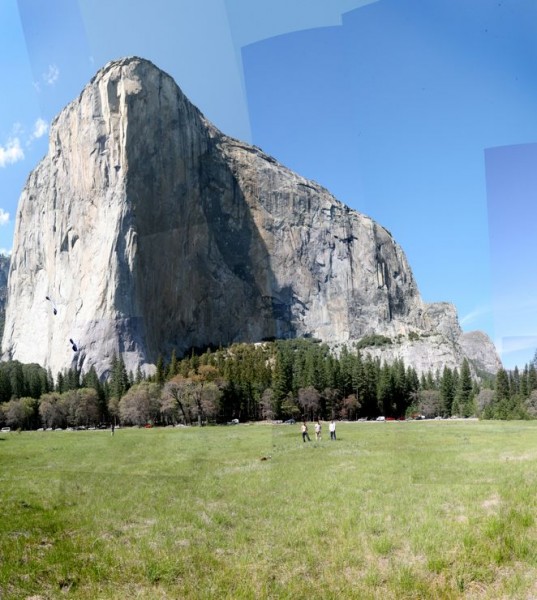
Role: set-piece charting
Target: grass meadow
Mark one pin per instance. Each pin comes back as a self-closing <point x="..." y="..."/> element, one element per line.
<point x="434" y="509"/>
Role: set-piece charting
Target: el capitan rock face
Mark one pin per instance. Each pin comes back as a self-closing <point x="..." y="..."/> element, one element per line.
<point x="151" y="231"/>
<point x="4" y="271"/>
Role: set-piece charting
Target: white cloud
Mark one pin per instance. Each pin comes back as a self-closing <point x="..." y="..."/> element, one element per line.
<point x="5" y="252"/>
<point x="4" y="217"/>
<point x="40" y="128"/>
<point x="11" y="152"/>
<point x="51" y="75"/>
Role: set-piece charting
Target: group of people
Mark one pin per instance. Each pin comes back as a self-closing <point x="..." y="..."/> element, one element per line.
<point x="318" y="428"/>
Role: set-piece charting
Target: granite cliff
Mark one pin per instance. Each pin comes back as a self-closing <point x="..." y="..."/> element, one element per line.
<point x="150" y="230"/>
<point x="4" y="271"/>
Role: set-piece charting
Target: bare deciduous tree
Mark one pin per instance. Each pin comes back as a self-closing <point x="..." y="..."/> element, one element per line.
<point x="52" y="410"/>
<point x="309" y="400"/>
<point x="266" y="404"/>
<point x="140" y="404"/>
<point x="350" y="407"/>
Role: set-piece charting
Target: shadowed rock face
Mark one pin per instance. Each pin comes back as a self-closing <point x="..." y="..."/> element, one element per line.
<point x="150" y="230"/>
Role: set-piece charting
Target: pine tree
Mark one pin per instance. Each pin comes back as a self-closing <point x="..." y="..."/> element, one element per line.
<point x="358" y="379"/>
<point x="514" y="381"/>
<point x="401" y="397"/>
<point x="5" y="386"/>
<point x="501" y="407"/>
<point x="524" y="383"/>
<point x="463" y="394"/>
<point x="371" y="372"/>
<point x="346" y="372"/>
<point x="447" y="391"/>
<point x="282" y="374"/>
<point x="139" y="375"/>
<point x="173" y="367"/>
<point x="385" y="391"/>
<point x="501" y="388"/>
<point x="119" y="379"/>
<point x="160" y="376"/>
<point x="532" y="378"/>
<point x="60" y="386"/>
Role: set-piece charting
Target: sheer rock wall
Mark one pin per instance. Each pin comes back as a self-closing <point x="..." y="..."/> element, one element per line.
<point x="150" y="230"/>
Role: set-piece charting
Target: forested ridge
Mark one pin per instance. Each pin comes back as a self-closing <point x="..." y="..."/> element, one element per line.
<point x="299" y="379"/>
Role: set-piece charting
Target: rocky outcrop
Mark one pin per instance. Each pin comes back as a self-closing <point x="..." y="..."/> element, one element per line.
<point x="480" y="351"/>
<point x="151" y="230"/>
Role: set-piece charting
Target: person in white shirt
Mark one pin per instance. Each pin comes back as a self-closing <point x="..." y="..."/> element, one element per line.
<point x="318" y="430"/>
<point x="332" y="429"/>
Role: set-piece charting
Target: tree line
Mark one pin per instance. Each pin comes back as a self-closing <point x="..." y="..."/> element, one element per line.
<point x="300" y="379"/>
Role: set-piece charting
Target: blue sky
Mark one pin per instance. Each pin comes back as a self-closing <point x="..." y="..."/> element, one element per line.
<point x="422" y="115"/>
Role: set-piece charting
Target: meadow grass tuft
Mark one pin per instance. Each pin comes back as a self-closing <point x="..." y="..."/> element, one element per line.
<point x="440" y="509"/>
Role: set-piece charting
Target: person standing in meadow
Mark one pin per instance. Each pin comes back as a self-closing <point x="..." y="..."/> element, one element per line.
<point x="332" y="429"/>
<point x="305" y="434"/>
<point x="318" y="430"/>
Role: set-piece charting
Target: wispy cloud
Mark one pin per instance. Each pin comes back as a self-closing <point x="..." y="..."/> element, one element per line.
<point x="4" y="217"/>
<point x="11" y="152"/>
<point x="475" y="314"/>
<point x="501" y="308"/>
<point x="51" y="75"/>
<point x="40" y="128"/>
<point x="5" y="252"/>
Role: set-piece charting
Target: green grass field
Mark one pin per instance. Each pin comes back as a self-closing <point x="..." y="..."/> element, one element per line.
<point x="439" y="509"/>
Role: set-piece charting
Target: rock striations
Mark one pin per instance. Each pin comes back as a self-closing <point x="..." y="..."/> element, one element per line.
<point x="4" y="271"/>
<point x="150" y="230"/>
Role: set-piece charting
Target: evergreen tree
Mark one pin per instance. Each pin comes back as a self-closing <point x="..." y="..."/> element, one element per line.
<point x="139" y="375"/>
<point x="502" y="386"/>
<point x="119" y="379"/>
<point x="17" y="379"/>
<point x="359" y="380"/>
<point x="91" y="380"/>
<point x="173" y="367"/>
<point x="194" y="361"/>
<point x="160" y="376"/>
<point x="5" y="386"/>
<point x="60" y="387"/>
<point x="401" y="398"/>
<point x="532" y="378"/>
<point x="514" y="381"/>
<point x="447" y="391"/>
<point x="413" y="382"/>
<point x="524" y="392"/>
<point x="346" y="367"/>
<point x="282" y="374"/>
<point x="502" y="405"/>
<point x="463" y="394"/>
<point x="385" y="391"/>
<point x="371" y="375"/>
